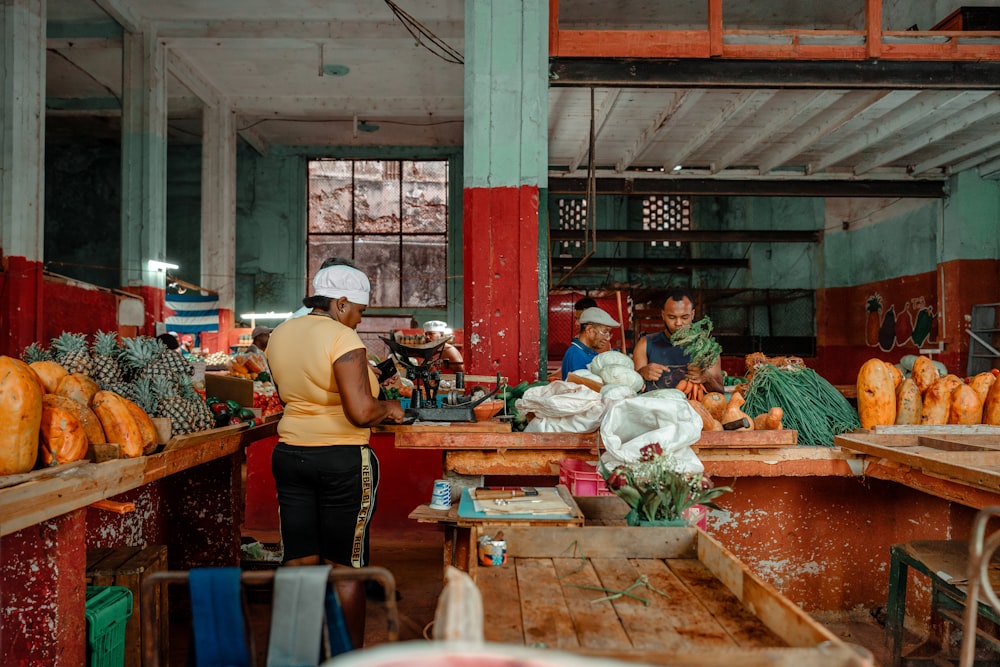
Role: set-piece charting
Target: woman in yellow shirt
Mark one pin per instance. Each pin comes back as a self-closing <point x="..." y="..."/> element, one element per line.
<point x="325" y="472"/>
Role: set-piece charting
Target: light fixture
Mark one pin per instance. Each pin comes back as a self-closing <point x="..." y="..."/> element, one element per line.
<point x="155" y="265"/>
<point x="270" y="315"/>
<point x="331" y="69"/>
<point x="678" y="167"/>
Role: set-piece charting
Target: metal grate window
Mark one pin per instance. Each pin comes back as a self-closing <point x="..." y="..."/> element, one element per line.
<point x="391" y="218"/>
<point x="666" y="213"/>
<point x="572" y="214"/>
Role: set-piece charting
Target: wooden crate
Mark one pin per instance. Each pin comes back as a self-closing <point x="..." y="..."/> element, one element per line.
<point x="712" y="610"/>
<point x="129" y="566"/>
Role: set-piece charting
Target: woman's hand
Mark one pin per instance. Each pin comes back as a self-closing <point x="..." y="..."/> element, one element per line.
<point x="394" y="412"/>
<point x="355" y="385"/>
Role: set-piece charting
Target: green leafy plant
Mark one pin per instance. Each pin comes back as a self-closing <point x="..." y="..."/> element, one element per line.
<point x="696" y="339"/>
<point x="656" y="490"/>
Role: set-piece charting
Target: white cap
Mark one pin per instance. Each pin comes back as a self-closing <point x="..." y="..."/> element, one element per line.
<point x="339" y="281"/>
<point x="437" y="325"/>
<point x="597" y="316"/>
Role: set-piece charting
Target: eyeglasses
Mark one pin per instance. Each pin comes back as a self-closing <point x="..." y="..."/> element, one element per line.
<point x="604" y="333"/>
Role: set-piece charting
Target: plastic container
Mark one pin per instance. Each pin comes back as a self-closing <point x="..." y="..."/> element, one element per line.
<point x="582" y="478"/>
<point x="108" y="610"/>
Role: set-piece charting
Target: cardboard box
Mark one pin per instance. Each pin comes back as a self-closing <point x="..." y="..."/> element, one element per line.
<point x="229" y="388"/>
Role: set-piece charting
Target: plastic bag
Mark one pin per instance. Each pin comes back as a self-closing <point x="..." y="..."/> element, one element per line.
<point x="459" y="612"/>
<point x="562" y="407"/>
<point x="632" y="423"/>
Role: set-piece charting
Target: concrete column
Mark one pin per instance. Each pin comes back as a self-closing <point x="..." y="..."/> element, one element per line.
<point x="218" y="203"/>
<point x="506" y="158"/>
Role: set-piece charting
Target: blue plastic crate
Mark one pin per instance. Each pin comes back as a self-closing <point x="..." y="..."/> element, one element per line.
<point x="108" y="610"/>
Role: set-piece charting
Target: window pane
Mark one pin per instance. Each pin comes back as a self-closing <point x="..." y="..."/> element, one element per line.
<point x="322" y="248"/>
<point x="376" y="196"/>
<point x="330" y="196"/>
<point x="378" y="256"/>
<point x="424" y="272"/>
<point x="425" y="197"/>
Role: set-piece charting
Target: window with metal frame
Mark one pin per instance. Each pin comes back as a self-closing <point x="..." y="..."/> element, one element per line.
<point x="391" y="218"/>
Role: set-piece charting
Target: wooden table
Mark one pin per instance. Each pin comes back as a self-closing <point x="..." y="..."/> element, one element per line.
<point x="710" y="609"/>
<point x="460" y="536"/>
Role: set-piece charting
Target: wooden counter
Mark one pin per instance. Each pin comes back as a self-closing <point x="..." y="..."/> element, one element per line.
<point x="187" y="498"/>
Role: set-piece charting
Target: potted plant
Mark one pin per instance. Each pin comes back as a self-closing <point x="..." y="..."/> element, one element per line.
<point x="657" y="492"/>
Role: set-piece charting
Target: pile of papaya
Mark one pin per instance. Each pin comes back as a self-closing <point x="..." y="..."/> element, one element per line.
<point x="927" y="396"/>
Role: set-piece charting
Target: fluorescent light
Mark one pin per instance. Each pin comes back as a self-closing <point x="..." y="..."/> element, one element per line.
<point x="160" y="266"/>
<point x="678" y="167"/>
<point x="271" y="315"/>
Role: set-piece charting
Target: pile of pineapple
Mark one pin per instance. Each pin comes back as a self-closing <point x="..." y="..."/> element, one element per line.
<point x="140" y="369"/>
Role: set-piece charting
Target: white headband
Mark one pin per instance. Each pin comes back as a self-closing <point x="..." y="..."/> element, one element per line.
<point x="339" y="281"/>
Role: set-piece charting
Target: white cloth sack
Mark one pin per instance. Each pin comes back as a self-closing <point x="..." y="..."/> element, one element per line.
<point x="561" y="407"/>
<point x="632" y="423"/>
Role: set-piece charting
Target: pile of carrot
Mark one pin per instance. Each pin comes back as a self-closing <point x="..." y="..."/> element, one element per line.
<point x="695" y="391"/>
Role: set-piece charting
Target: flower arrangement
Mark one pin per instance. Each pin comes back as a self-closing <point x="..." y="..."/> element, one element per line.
<point x="656" y="491"/>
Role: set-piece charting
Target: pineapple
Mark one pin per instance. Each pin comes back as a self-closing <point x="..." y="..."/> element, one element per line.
<point x="144" y="395"/>
<point x="72" y="354"/>
<point x="35" y="352"/>
<point x="175" y="362"/>
<point x="201" y="416"/>
<point x="140" y="355"/>
<point x="105" y="352"/>
<point x="172" y="406"/>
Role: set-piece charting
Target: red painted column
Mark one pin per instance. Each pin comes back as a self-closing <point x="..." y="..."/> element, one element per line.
<point x="43" y="594"/>
<point x="21" y="309"/>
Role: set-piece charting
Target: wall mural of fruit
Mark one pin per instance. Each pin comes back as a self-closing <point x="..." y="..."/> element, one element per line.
<point x="914" y="324"/>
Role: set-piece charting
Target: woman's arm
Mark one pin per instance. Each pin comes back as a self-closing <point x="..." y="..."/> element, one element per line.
<point x="360" y="407"/>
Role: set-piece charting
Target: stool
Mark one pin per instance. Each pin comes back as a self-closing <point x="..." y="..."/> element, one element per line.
<point x="946" y="563"/>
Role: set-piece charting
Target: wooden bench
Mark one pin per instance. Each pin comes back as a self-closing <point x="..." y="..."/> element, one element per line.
<point x="946" y="564"/>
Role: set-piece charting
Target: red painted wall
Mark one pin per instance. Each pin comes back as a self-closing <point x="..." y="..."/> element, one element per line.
<point x="500" y="243"/>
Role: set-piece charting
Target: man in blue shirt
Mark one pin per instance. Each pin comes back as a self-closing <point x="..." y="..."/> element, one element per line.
<point x="595" y="328"/>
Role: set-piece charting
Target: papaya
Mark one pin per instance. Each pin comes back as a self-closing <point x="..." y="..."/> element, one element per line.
<point x="77" y="386"/>
<point x="91" y="424"/>
<point x="909" y="403"/>
<point x="145" y="424"/>
<point x="876" y="394"/>
<point x="965" y="406"/>
<point x="897" y="376"/>
<point x="118" y="423"/>
<point x="924" y="373"/>
<point x="63" y="438"/>
<point x="937" y="400"/>
<point x="49" y="373"/>
<point x="981" y="384"/>
<point x="20" y="416"/>
<point x="991" y="407"/>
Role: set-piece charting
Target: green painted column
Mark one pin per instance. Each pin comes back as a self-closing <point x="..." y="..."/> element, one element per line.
<point x="505" y="163"/>
<point x="144" y="160"/>
<point x="22" y="128"/>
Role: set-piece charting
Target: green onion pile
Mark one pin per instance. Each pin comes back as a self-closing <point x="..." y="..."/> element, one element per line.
<point x="811" y="405"/>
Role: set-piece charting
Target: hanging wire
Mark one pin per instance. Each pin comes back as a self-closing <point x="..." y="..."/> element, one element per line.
<point x="590" y="231"/>
<point x="425" y="37"/>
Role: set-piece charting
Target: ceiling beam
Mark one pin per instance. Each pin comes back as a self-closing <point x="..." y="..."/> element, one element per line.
<point x="730" y="188"/>
<point x="218" y="32"/>
<point x="654" y="264"/>
<point x="723" y="73"/>
<point x="120" y="11"/>
<point x="826" y="123"/>
<point x="983" y="109"/>
<point x="916" y="108"/>
<point x="681" y="104"/>
<point x="975" y="160"/>
<point x="699" y="236"/>
<point x="194" y="79"/>
<point x="677" y="154"/>
<point x="775" y="123"/>
<point x="990" y="148"/>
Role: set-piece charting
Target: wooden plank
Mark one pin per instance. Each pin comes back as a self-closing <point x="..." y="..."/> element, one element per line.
<point x="647" y="627"/>
<point x="600" y="542"/>
<point x="544" y="612"/>
<point x="696" y="626"/>
<point x="198" y="437"/>
<point x="719" y="439"/>
<point x="41" y="473"/>
<point x="456" y="438"/>
<point x="442" y="428"/>
<point x="501" y="598"/>
<point x="596" y="625"/>
<point x="938" y="429"/>
<point x="726" y="607"/>
<point x="763" y="600"/>
<point x="512" y="462"/>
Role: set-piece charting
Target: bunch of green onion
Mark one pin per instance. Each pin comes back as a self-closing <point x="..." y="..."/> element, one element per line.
<point x="812" y="406"/>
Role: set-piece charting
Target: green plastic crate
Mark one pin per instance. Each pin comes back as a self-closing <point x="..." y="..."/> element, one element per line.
<point x="108" y="610"/>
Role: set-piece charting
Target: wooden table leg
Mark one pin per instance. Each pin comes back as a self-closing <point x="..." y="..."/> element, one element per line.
<point x="896" y="604"/>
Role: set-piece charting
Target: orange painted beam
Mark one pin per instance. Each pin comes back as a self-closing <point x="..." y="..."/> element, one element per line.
<point x="956" y="492"/>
